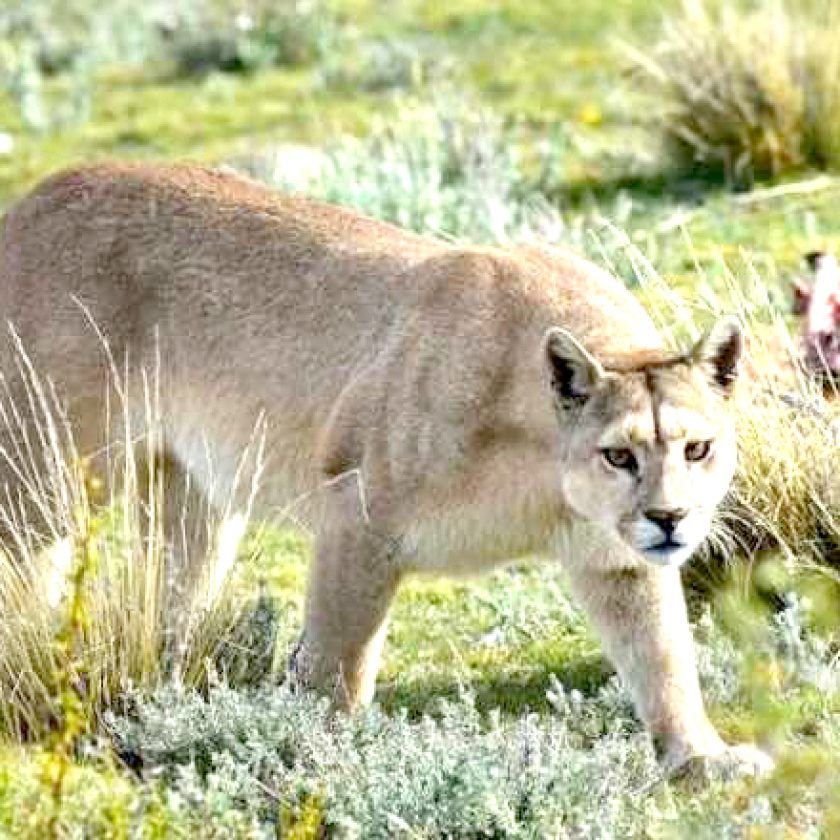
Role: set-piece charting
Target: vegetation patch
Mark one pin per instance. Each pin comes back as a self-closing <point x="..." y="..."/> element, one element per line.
<point x="748" y="89"/>
<point x="582" y="768"/>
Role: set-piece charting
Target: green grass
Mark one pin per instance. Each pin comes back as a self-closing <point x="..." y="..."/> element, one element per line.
<point x="553" y="64"/>
<point x="547" y="67"/>
<point x="139" y="116"/>
<point x="499" y="636"/>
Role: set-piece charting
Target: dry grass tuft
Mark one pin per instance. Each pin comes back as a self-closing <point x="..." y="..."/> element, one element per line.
<point x="103" y="610"/>
<point x="786" y="495"/>
<point x="752" y="90"/>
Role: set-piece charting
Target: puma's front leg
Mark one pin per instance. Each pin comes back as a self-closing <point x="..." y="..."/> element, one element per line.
<point x="639" y="612"/>
<point x="352" y="581"/>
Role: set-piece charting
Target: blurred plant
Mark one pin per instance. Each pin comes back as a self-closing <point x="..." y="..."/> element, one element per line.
<point x="22" y="78"/>
<point x="70" y="639"/>
<point x="71" y="41"/>
<point x="748" y="89"/>
<point x="208" y="35"/>
<point x="445" y="168"/>
<point x="382" y="64"/>
<point x="92" y="602"/>
<point x="40" y="39"/>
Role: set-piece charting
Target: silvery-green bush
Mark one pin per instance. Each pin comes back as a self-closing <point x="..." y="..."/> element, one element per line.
<point x="444" y="168"/>
<point x="383" y="64"/>
<point x="201" y="36"/>
<point x="457" y="774"/>
<point x="584" y="770"/>
<point x="41" y="38"/>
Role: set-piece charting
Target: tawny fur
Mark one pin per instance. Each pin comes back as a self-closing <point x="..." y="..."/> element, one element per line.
<point x="413" y="418"/>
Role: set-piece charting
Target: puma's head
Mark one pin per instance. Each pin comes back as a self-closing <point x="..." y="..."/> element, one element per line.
<point x="650" y="448"/>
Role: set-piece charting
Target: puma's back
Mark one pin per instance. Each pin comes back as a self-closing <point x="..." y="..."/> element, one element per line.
<point x="245" y="304"/>
<point x="237" y="300"/>
<point x="221" y="268"/>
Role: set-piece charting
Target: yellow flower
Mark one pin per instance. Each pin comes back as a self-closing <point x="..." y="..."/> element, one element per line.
<point x="590" y="114"/>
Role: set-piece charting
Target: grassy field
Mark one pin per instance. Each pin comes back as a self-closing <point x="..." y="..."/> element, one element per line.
<point x="496" y="714"/>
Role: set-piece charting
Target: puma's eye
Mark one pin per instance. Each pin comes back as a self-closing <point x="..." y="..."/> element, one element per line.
<point x="621" y="459"/>
<point x="698" y="450"/>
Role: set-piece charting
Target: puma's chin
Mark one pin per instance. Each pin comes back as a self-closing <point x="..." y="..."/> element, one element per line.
<point x="655" y="549"/>
<point x="661" y="549"/>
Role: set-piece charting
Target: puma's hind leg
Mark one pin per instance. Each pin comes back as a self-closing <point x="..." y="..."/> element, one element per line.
<point x="179" y="528"/>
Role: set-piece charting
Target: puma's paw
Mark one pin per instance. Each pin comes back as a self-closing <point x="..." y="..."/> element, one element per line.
<point x="729" y="763"/>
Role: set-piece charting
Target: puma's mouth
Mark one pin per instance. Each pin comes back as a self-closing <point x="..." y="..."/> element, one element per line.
<point x="668" y="552"/>
<point x="666" y="546"/>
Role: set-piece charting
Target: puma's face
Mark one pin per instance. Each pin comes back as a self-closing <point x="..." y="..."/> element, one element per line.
<point x="655" y="471"/>
<point x="650" y="448"/>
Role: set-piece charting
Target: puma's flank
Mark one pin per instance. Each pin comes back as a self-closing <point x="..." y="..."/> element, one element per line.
<point x="429" y="408"/>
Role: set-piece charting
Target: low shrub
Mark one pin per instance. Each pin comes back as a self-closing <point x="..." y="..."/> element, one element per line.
<point x="584" y="769"/>
<point x="749" y="90"/>
<point x="445" y="169"/>
<point x="377" y="65"/>
<point x="204" y="36"/>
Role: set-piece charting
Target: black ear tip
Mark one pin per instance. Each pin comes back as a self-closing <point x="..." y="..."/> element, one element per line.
<point x="726" y="338"/>
<point x="722" y="349"/>
<point x="818" y="260"/>
<point x="812" y="259"/>
<point x="573" y="370"/>
<point x="560" y="342"/>
<point x="554" y="340"/>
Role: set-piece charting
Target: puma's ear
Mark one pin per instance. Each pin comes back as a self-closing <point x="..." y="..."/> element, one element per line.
<point x="820" y="260"/>
<point x="574" y="372"/>
<point x="720" y="350"/>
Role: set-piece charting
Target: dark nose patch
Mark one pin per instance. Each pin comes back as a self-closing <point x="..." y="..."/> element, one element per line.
<point x="667" y="520"/>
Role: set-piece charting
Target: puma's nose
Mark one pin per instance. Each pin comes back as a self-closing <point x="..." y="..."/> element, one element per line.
<point x="667" y="520"/>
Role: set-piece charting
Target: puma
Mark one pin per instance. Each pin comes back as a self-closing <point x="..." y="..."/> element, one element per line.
<point x="429" y="408"/>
